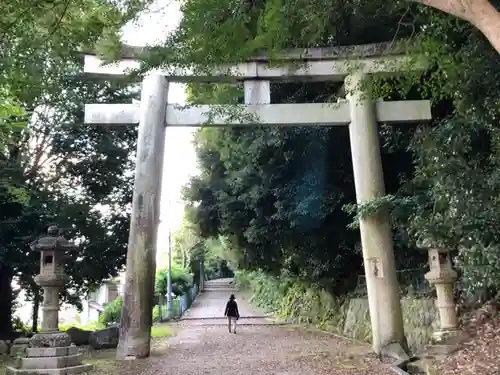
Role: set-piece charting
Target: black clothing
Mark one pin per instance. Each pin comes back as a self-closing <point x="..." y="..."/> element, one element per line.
<point x="232" y="309"/>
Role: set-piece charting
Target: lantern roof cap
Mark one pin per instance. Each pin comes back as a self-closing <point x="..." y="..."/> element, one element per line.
<point x="52" y="242"/>
<point x="429" y="243"/>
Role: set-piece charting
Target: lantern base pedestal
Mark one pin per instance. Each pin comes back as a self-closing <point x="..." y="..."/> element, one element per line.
<point x="51" y="361"/>
<point x="54" y="339"/>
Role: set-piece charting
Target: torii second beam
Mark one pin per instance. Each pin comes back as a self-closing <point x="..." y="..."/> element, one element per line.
<point x="320" y="114"/>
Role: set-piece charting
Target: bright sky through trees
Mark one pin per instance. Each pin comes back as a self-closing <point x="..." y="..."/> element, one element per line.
<point x="180" y="158"/>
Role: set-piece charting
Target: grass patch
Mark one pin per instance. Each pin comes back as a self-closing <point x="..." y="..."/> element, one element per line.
<point x="161" y="330"/>
<point x="4" y="362"/>
<point x="104" y="361"/>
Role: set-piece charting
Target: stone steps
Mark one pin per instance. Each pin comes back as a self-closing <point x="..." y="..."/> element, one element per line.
<point x="216" y="284"/>
<point x="219" y="290"/>
<point x="52" y="362"/>
<point x="223" y="317"/>
<point x="437" y="350"/>
<point x="223" y="322"/>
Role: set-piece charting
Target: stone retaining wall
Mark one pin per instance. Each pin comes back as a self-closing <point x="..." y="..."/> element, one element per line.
<point x="420" y="319"/>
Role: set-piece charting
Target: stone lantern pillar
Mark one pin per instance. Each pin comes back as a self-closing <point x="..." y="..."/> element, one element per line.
<point x="51" y="279"/>
<point x="51" y="351"/>
<point x="442" y="276"/>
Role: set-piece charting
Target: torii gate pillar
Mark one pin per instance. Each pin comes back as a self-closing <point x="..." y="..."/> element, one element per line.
<point x="376" y="235"/>
<point x="136" y="320"/>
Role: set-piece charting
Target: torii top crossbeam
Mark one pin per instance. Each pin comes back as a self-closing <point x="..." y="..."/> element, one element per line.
<point x="315" y="64"/>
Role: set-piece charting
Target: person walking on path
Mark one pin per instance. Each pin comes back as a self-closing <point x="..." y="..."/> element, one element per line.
<point x="232" y="313"/>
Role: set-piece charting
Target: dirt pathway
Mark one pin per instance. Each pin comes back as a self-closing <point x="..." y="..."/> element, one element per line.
<point x="204" y="346"/>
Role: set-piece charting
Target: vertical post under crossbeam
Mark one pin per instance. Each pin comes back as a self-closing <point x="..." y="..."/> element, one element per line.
<point x="136" y="320"/>
<point x="257" y="92"/>
<point x="169" y="272"/>
<point x="376" y="236"/>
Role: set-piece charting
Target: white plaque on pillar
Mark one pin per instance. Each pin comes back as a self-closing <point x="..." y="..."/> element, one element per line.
<point x="376" y="268"/>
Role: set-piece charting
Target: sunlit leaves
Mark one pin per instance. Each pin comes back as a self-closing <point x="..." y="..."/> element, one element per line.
<point x="218" y="32"/>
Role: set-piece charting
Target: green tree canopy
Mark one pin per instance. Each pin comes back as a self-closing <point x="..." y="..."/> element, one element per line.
<point x="56" y="170"/>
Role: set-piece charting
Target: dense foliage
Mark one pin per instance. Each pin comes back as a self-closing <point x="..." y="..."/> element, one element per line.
<point x="112" y="312"/>
<point x="191" y="250"/>
<point x="292" y="300"/>
<point x="182" y="281"/>
<point x="62" y="182"/>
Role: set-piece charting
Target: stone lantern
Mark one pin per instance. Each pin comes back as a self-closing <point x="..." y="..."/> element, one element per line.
<point x="51" y="351"/>
<point x="51" y="279"/>
<point x="443" y="276"/>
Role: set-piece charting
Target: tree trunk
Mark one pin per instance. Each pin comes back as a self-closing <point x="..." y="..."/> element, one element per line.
<point x="481" y="13"/>
<point x="36" y="307"/>
<point x="184" y="258"/>
<point x="488" y="21"/>
<point x="5" y="300"/>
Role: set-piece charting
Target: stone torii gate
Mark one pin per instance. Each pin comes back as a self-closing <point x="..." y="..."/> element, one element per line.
<point x="354" y="65"/>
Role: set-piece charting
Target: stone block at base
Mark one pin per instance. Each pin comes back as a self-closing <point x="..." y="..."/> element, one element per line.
<point x="19" y="347"/>
<point x="18" y="350"/>
<point x="450" y="336"/>
<point x="57" y="371"/>
<point x="52" y="362"/>
<point x="51" y="352"/>
<point x="420" y="366"/>
<point x="395" y="350"/>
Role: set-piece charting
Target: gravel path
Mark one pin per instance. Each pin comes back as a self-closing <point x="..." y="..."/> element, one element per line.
<point x="203" y="346"/>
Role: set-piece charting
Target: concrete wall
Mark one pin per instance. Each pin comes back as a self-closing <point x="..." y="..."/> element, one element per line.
<point x="106" y="293"/>
<point x="420" y="318"/>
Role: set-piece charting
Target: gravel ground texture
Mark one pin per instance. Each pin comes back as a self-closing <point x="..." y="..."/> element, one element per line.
<point x="205" y="347"/>
<point x="254" y="350"/>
